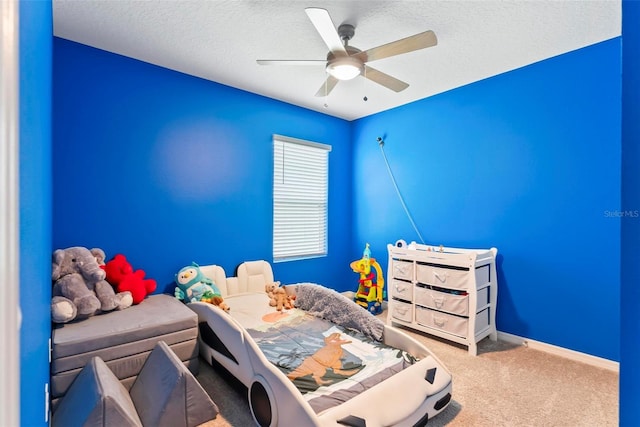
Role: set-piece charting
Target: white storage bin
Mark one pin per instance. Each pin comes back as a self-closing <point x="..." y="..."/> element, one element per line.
<point x="442" y="321"/>
<point x="401" y="310"/>
<point x="449" y="277"/>
<point x="450" y="323"/>
<point x="401" y="289"/>
<point x="482" y="298"/>
<point x="450" y="302"/>
<point x="482" y="320"/>
<point x="442" y="276"/>
<point x="402" y="269"/>
<point x="443" y="301"/>
<point x="482" y="276"/>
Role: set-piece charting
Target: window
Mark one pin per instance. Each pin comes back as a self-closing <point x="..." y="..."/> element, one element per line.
<point x="300" y="190"/>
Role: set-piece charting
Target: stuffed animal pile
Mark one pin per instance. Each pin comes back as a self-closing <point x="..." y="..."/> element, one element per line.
<point x="79" y="286"/>
<point x="278" y="297"/>
<point x="194" y="286"/>
<point x="122" y="277"/>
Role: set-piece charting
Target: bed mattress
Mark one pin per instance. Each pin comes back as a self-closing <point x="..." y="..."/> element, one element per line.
<point x="123" y="339"/>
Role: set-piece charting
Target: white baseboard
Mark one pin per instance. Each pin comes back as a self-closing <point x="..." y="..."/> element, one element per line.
<point x="577" y="356"/>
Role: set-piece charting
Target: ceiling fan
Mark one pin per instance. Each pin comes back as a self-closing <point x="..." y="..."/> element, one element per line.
<point x="345" y="62"/>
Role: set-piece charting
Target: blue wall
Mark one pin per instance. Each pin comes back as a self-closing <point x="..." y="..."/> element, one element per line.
<point x="528" y="162"/>
<point x="35" y="207"/>
<point x="168" y="169"/>
<point x="630" y="292"/>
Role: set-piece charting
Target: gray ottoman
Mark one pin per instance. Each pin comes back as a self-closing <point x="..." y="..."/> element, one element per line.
<point x="123" y="340"/>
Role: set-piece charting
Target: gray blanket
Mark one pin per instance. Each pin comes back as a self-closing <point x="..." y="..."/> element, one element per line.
<point x="330" y="305"/>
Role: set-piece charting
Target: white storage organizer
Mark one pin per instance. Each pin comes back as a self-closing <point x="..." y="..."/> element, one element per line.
<point x="447" y="292"/>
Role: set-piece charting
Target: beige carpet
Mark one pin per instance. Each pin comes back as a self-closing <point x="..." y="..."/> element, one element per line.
<point x="503" y="386"/>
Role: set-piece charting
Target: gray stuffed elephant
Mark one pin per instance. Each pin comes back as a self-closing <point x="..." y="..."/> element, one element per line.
<point x="80" y="289"/>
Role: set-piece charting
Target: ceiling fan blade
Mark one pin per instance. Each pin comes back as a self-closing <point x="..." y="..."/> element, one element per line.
<point x="324" y="25"/>
<point x="327" y="86"/>
<point x="384" y="79"/>
<point x="408" y="44"/>
<point x="291" y="61"/>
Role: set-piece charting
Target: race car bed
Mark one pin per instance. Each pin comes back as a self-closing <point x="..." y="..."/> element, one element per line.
<point x="326" y="362"/>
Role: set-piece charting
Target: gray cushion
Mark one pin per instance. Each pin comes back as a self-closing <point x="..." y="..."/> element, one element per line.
<point x="165" y="393"/>
<point x="96" y="398"/>
<point x="157" y="315"/>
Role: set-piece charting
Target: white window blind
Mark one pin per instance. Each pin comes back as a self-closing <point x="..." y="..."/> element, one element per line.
<point x="300" y="194"/>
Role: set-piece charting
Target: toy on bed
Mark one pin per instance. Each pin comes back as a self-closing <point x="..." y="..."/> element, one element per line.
<point x="278" y="297"/>
<point x="283" y="301"/>
<point x="194" y="286"/>
<point x="269" y="288"/>
<point x="122" y="277"/>
<point x="370" y="293"/>
<point x="79" y="289"/>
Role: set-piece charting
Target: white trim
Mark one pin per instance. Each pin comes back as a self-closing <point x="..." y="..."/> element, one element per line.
<point x="283" y="138"/>
<point x="576" y="356"/>
<point x="9" y="214"/>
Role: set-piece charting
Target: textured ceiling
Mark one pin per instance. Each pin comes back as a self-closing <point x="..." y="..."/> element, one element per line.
<point x="220" y="40"/>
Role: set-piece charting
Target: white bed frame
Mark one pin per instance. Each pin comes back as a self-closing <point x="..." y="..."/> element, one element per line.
<point x="408" y="398"/>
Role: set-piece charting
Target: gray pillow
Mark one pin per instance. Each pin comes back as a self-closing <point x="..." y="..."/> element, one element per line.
<point x="96" y="398"/>
<point x="166" y="393"/>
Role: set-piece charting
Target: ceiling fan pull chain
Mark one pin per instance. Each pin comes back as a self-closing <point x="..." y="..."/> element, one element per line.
<point x="364" y="82"/>
<point x="364" y="85"/>
<point x="326" y="92"/>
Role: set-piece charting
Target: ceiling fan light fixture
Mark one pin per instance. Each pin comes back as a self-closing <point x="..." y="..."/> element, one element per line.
<point x="345" y="68"/>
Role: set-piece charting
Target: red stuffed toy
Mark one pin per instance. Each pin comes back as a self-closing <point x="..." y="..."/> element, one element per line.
<point x="121" y="276"/>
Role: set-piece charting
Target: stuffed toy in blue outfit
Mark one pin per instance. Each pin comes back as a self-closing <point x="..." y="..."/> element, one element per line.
<point x="194" y="286"/>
